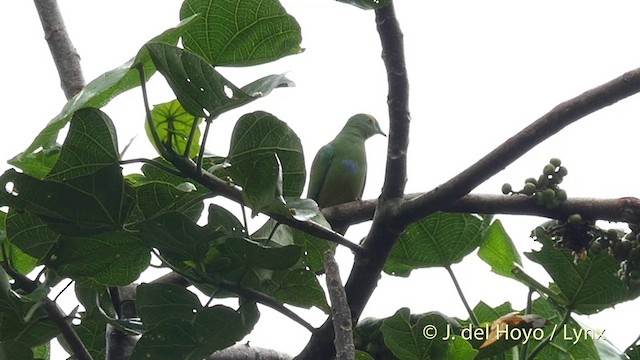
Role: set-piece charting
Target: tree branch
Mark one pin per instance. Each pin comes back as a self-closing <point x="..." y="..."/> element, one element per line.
<point x="62" y="50"/>
<point x="626" y="209"/>
<point x="342" y="325"/>
<point x="385" y="228"/>
<point x="540" y="130"/>
<point x="219" y="187"/>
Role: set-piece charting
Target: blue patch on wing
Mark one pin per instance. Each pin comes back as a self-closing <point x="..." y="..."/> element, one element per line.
<point x="350" y="166"/>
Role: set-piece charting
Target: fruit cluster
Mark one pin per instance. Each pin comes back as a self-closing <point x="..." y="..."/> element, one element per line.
<point x="544" y="190"/>
<point x="586" y="239"/>
<point x="624" y="248"/>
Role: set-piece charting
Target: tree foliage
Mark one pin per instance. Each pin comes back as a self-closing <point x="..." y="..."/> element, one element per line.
<point x="71" y="213"/>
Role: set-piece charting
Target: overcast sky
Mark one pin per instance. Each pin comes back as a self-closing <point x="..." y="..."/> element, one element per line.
<point x="479" y="72"/>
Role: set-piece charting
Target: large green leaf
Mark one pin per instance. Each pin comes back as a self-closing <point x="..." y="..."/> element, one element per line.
<point x="85" y="190"/>
<point x="155" y="198"/>
<point x="96" y="94"/>
<point x="174" y="124"/>
<point x="241" y="32"/>
<point x="314" y="247"/>
<point x="178" y="238"/>
<point x="298" y="287"/>
<point x="258" y="134"/>
<point x="498" y="250"/>
<point x="108" y="259"/>
<point x="91" y="145"/>
<point x="158" y="303"/>
<point x="31" y="234"/>
<point x="590" y="285"/>
<point x="208" y="330"/>
<point x="568" y="341"/>
<point x="261" y="179"/>
<point x="249" y="254"/>
<point x="91" y="203"/>
<point x="437" y="240"/>
<point x="406" y="338"/>
<point x="18" y="259"/>
<point x="92" y="332"/>
<point x="15" y="350"/>
<point x="202" y="91"/>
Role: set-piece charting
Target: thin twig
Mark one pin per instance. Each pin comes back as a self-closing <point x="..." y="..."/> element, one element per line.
<point x="152" y="162"/>
<point x="472" y="316"/>
<point x="342" y="325"/>
<point x="548" y="339"/>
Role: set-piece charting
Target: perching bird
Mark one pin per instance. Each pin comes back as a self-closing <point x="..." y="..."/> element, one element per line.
<point x="339" y="170"/>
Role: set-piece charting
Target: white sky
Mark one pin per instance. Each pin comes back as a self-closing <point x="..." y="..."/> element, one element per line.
<point x="479" y="72"/>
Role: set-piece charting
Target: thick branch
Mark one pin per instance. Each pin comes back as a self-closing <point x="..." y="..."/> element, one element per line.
<point x="626" y="209"/>
<point x="62" y="50"/>
<point x="542" y="129"/>
<point x="385" y="228"/>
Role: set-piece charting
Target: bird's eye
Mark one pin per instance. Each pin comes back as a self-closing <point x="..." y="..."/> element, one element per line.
<point x="370" y="120"/>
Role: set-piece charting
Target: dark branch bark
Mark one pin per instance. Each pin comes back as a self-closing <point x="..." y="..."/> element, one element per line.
<point x="385" y="228"/>
<point x="342" y="325"/>
<point x="542" y="129"/>
<point x="219" y="187"/>
<point x="625" y="209"/>
<point x="62" y="50"/>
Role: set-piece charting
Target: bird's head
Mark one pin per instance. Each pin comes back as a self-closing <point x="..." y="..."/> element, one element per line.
<point x="363" y="125"/>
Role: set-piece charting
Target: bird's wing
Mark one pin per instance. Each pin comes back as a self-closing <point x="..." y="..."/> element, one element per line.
<point x="319" y="168"/>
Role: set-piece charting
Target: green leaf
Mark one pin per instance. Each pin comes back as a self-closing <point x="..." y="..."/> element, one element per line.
<point x="92" y="332"/>
<point x="178" y="238"/>
<point x="260" y="133"/>
<point x="14" y="350"/>
<point x="155" y="198"/>
<point x="30" y="234"/>
<point x="18" y="259"/>
<point x="38" y="164"/>
<point x="90" y="146"/>
<point x="499" y="251"/>
<point x="247" y="32"/>
<point x="406" y="340"/>
<point x="108" y="259"/>
<point x="437" y="240"/>
<point x="591" y="285"/>
<point x="261" y="179"/>
<point x="565" y="343"/>
<point x="210" y="329"/>
<point x="249" y="254"/>
<point x="361" y="355"/>
<point x="314" y="247"/>
<point x="173" y="125"/>
<point x="201" y="90"/>
<point x="221" y="218"/>
<point x="97" y="94"/>
<point x="35" y="331"/>
<point x="367" y="4"/>
<point x="91" y="203"/>
<point x="158" y="303"/>
<point x="297" y="287"/>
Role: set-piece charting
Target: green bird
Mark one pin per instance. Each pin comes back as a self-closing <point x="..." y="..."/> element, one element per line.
<point x="339" y="170"/>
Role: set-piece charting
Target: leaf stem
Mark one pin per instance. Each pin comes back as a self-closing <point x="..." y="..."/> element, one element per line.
<point x="547" y="340"/>
<point x="192" y="135"/>
<point x="472" y="316"/>
<point x="205" y="135"/>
